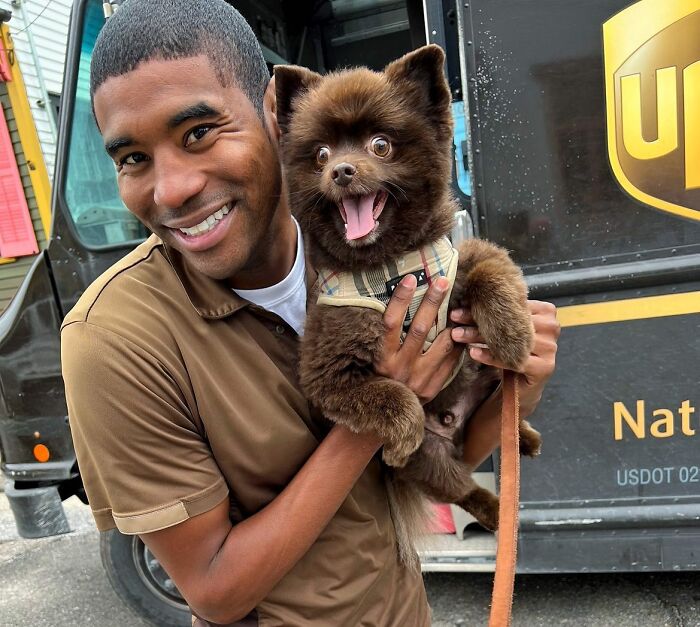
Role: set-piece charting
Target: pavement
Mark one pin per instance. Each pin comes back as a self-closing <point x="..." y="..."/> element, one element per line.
<point x="59" y="582"/>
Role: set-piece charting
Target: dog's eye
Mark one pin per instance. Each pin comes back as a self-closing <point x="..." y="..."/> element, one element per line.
<point x="322" y="155"/>
<point x="380" y="146"/>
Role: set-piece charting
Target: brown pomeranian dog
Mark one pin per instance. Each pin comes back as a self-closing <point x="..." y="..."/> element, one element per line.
<point x="367" y="158"/>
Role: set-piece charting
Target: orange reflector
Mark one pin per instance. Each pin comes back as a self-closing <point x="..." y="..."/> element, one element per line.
<point x="41" y="453"/>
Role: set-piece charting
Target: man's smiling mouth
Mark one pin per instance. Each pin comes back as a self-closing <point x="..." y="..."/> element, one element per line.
<point x="207" y="233"/>
<point x="208" y="223"/>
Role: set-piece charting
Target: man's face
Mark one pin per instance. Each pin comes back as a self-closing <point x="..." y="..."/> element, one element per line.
<point x="194" y="161"/>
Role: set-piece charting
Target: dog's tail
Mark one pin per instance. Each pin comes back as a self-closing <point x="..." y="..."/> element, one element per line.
<point x="411" y="515"/>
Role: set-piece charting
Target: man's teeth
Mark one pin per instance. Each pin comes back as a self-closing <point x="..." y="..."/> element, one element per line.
<point x="207" y="224"/>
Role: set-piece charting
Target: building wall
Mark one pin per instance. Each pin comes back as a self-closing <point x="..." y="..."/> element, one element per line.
<point x="39" y="31"/>
<point x="11" y="274"/>
<point x="42" y="64"/>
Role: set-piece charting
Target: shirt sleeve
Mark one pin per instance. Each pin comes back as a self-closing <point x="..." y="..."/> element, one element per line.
<point x="144" y="462"/>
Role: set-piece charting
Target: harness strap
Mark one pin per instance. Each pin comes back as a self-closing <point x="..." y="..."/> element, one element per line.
<point x="506" y="554"/>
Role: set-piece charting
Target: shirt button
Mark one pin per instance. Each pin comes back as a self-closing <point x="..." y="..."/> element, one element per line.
<point x="279" y="329"/>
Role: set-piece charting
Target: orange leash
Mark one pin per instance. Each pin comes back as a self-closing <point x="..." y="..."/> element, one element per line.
<point x="506" y="554"/>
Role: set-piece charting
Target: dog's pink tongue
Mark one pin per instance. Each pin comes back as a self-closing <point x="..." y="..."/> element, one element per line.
<point x="359" y="212"/>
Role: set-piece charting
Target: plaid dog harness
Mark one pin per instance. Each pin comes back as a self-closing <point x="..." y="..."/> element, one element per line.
<point x="372" y="288"/>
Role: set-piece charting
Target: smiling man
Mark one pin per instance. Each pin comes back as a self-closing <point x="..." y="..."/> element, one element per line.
<point x="180" y="361"/>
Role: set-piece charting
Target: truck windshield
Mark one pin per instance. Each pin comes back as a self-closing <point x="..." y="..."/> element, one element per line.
<point x="90" y="188"/>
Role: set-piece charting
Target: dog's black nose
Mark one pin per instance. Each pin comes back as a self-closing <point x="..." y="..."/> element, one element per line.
<point x="343" y="173"/>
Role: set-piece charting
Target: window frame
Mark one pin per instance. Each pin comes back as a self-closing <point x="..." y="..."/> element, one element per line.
<point x="70" y="83"/>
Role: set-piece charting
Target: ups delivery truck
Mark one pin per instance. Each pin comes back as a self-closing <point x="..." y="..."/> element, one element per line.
<point x="577" y="147"/>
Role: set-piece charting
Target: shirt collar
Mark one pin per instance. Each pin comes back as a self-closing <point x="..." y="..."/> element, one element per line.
<point x="214" y="299"/>
<point x="211" y="298"/>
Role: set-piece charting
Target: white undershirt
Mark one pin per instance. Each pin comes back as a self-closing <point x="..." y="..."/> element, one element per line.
<point x="288" y="297"/>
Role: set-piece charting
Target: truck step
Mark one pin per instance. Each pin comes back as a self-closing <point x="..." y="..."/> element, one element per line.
<point x="447" y="553"/>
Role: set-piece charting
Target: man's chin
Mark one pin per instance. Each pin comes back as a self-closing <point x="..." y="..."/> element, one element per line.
<point x="216" y="263"/>
<point x="212" y="262"/>
<point x="216" y="269"/>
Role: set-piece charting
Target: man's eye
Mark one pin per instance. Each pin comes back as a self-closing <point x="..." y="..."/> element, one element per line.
<point x="196" y="134"/>
<point x="133" y="159"/>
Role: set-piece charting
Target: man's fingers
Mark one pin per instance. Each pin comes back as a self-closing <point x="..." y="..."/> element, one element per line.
<point x="539" y="369"/>
<point x="424" y="319"/>
<point x="546" y="324"/>
<point x="544" y="347"/>
<point x="439" y="352"/>
<point x="536" y="369"/>
<point x="427" y="364"/>
<point x="443" y="371"/>
<point x="462" y="317"/>
<point x="395" y="313"/>
<point x="485" y="356"/>
<point x="542" y="307"/>
<point x="467" y="335"/>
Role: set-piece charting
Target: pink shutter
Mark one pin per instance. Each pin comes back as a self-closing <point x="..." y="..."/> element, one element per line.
<point x="5" y="69"/>
<point x="17" y="236"/>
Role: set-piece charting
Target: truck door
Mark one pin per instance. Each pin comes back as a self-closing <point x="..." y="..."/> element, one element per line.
<point x="92" y="227"/>
<point x="585" y="166"/>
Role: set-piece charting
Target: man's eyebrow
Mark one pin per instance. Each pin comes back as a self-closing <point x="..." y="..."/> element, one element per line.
<point x="194" y="112"/>
<point x="115" y="145"/>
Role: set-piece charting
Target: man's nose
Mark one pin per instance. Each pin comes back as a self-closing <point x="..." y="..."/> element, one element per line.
<point x="176" y="181"/>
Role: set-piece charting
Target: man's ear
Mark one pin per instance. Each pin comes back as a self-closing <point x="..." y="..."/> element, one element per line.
<point x="290" y="82"/>
<point x="270" y="110"/>
<point x="423" y="68"/>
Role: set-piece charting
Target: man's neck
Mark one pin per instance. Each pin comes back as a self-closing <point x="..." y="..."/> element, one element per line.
<point x="277" y="255"/>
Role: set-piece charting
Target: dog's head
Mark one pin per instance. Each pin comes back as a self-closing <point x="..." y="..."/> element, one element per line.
<point x="367" y="156"/>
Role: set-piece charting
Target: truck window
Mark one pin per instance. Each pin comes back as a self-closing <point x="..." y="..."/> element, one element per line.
<point x="546" y="190"/>
<point x="90" y="189"/>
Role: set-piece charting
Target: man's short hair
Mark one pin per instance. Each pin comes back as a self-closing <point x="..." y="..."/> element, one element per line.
<point x="142" y="30"/>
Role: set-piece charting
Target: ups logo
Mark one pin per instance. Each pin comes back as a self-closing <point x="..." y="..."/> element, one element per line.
<point x="652" y="89"/>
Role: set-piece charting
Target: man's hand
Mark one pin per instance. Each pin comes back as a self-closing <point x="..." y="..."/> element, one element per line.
<point x="482" y="433"/>
<point x="423" y="373"/>
<point x="539" y="366"/>
<point x="426" y="373"/>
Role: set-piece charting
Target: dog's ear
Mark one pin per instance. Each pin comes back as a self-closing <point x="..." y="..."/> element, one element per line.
<point x="423" y="68"/>
<point x="290" y="82"/>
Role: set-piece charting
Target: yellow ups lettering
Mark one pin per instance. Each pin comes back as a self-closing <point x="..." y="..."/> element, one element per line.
<point x="691" y="100"/>
<point x="666" y="117"/>
<point x="663" y="425"/>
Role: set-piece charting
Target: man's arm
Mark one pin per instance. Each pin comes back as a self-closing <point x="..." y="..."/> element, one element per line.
<point x="225" y="571"/>
<point x="144" y="463"/>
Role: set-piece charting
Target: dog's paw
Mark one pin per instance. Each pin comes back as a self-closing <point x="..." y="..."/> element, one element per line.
<point x="397" y="452"/>
<point x="509" y="335"/>
<point x="399" y="422"/>
<point x="530" y="440"/>
<point x="483" y="505"/>
<point x="492" y="287"/>
<point x="488" y="517"/>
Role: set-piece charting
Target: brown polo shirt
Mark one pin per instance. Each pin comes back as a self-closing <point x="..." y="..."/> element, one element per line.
<point x="181" y="394"/>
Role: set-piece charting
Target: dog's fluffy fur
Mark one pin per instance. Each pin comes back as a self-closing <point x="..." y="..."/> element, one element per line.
<point x="408" y="105"/>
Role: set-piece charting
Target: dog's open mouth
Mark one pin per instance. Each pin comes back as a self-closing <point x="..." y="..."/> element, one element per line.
<point x="360" y="213"/>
